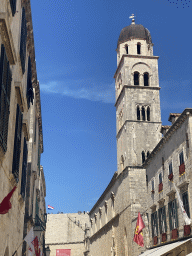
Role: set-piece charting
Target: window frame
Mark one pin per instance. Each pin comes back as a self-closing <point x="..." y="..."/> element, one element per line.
<point x="171" y="211"/>
<point x="154" y="224"/>
<point x="162" y="220"/>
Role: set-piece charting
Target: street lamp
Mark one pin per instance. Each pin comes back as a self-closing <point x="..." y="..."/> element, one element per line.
<point x="37" y="232"/>
<point x="47" y="250"/>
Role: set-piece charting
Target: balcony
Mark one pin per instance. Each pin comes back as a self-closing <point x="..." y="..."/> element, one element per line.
<point x="181" y="169"/>
<point x="160" y="187"/>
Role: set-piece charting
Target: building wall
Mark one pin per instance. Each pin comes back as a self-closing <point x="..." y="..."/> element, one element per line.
<point x="66" y="231"/>
<point x="13" y="228"/>
<point x="169" y="148"/>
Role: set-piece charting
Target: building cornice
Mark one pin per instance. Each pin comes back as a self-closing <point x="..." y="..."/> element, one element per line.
<point x="135" y="57"/>
<point x="31" y="49"/>
<point x="168" y="134"/>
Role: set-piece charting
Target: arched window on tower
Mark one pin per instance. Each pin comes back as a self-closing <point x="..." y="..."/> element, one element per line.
<point x="138" y="48"/>
<point x="126" y="49"/>
<point x="136" y="78"/>
<point x="143" y="113"/>
<point x="138" y="113"/>
<point x="146" y="79"/>
<point x="148" y="153"/>
<point x="143" y="157"/>
<point x="148" y="113"/>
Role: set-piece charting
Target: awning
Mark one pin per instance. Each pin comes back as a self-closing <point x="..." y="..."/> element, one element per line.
<point x="161" y="250"/>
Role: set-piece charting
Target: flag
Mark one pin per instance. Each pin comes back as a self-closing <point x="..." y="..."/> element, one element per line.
<point x="50" y="207"/>
<point x="35" y="243"/>
<point x="138" y="237"/>
<point x="186" y="219"/>
<point x="29" y="239"/>
<point x="5" y="205"/>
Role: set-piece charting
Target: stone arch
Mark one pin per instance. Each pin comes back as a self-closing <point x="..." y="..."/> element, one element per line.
<point x="141" y="63"/>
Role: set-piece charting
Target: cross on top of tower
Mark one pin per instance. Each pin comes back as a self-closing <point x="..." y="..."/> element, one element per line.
<point x="132" y="17"/>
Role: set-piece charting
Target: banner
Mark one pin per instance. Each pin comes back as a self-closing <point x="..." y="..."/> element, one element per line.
<point x="63" y="252"/>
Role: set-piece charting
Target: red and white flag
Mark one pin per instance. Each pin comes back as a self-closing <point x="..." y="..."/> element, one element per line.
<point x="29" y="239"/>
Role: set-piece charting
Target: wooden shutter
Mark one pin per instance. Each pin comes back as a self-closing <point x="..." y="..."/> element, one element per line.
<point x="24" y="168"/>
<point x="170" y="215"/>
<point x="23" y="40"/>
<point x="29" y="93"/>
<point x="176" y="212"/>
<point x="37" y="206"/>
<point x="5" y="92"/>
<point x="17" y="143"/>
<point x="164" y="218"/>
<point x="160" y="220"/>
<point x="152" y="228"/>
<point x="13" y="6"/>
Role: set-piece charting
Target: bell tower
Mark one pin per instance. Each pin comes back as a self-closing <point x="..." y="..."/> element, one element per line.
<point x="138" y="116"/>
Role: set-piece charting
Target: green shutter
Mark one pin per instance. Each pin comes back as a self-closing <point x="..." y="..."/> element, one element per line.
<point x="170" y="214"/>
<point x="24" y="168"/>
<point x="17" y="143"/>
<point x="152" y="228"/>
<point x="37" y="206"/>
<point x="23" y="40"/>
<point x="176" y="212"/>
<point x="156" y="220"/>
<point x="160" y="218"/>
<point x="164" y="218"/>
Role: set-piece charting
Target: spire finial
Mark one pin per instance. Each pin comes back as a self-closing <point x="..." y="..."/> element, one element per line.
<point x="132" y="17"/>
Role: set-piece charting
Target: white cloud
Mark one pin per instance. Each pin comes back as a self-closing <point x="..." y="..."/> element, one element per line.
<point x="82" y="89"/>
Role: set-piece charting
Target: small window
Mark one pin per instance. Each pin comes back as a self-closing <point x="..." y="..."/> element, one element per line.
<point x="143" y="157"/>
<point x="146" y="79"/>
<point x="138" y="48"/>
<point x="143" y="113"/>
<point x="152" y="185"/>
<point x="13" y="6"/>
<point x="147" y="180"/>
<point x="126" y="49"/>
<point x="170" y="168"/>
<point x="136" y="78"/>
<point x="148" y="113"/>
<point x="148" y="153"/>
<point x="138" y="113"/>
<point x="160" y="178"/>
<point x="181" y="158"/>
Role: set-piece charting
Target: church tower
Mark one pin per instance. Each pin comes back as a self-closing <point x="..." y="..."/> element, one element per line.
<point x="137" y="104"/>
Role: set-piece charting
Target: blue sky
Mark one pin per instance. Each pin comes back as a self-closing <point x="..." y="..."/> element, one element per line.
<point x="75" y="44"/>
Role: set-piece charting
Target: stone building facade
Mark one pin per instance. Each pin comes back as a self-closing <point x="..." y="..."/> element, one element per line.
<point x="65" y="233"/>
<point x="148" y="163"/>
<point x="21" y="140"/>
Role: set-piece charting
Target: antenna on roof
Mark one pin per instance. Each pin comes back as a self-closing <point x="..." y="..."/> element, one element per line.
<point x="132" y="17"/>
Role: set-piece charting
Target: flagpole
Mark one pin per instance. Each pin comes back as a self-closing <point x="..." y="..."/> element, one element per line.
<point x="18" y="248"/>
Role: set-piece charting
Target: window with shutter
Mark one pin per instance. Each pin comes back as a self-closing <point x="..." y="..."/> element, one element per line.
<point x="173" y="218"/>
<point x="39" y="157"/>
<point x="29" y="92"/>
<point x="162" y="220"/>
<point x="154" y="224"/>
<point x="5" y="92"/>
<point x="186" y="203"/>
<point x="23" y="40"/>
<point x="13" y="6"/>
<point x="24" y="168"/>
<point x="37" y="206"/>
<point x="17" y="144"/>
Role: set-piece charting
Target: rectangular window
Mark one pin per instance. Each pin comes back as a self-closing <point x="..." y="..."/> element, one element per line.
<point x="24" y="168"/>
<point x="5" y="92"/>
<point x="162" y="220"/>
<point x="181" y="158"/>
<point x="13" y="6"/>
<point x="173" y="218"/>
<point x="186" y="203"/>
<point x="23" y="40"/>
<point x="170" y="168"/>
<point x="160" y="178"/>
<point x="152" y="185"/>
<point x="17" y="144"/>
<point x="29" y="92"/>
<point x="154" y="224"/>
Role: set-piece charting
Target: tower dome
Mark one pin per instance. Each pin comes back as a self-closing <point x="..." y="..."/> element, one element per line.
<point x="134" y="31"/>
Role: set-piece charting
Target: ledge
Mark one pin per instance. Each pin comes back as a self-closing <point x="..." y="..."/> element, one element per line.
<point x="20" y="96"/>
